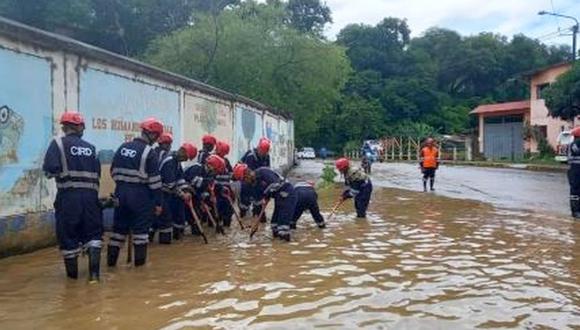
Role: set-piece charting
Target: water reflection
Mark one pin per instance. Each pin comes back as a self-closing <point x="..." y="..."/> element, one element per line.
<point x="417" y="261"/>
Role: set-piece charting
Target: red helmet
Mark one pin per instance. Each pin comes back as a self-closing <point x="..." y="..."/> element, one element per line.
<point x="216" y="163"/>
<point x="209" y="139"/>
<point x="342" y="164"/>
<point x="264" y="146"/>
<point x="190" y="150"/>
<point x="576" y="132"/>
<point x="222" y="148"/>
<point x="72" y="117"/>
<point x="152" y="125"/>
<point x="239" y="171"/>
<point x="165" y="138"/>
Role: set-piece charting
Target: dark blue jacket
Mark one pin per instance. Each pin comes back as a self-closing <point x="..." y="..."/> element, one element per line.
<point x="202" y="156"/>
<point x="73" y="163"/>
<point x="199" y="180"/>
<point x="171" y="174"/>
<point x="269" y="183"/>
<point x="136" y="164"/>
<point x="254" y="161"/>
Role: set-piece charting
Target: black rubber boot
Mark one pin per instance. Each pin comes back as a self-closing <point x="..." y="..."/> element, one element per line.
<point x="94" y="264"/>
<point x="284" y="237"/>
<point x="424" y="185"/>
<point x="432" y="184"/>
<point x="321" y="225"/>
<point x="151" y="235"/>
<point x="293" y="226"/>
<point x="575" y="206"/>
<point x="72" y="267"/>
<point x="112" y="255"/>
<point x="164" y="238"/>
<point x="177" y="233"/>
<point x="140" y="254"/>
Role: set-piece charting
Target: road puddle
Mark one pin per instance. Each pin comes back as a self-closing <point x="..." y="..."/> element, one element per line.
<point x="418" y="261"/>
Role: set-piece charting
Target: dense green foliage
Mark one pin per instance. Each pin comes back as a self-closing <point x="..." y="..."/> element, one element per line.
<point x="373" y="81"/>
<point x="563" y="97"/>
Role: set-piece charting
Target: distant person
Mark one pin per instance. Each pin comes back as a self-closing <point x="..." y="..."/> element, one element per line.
<point x="359" y="186"/>
<point x="429" y="163"/>
<point x="254" y="158"/>
<point x="73" y="163"/>
<point x="208" y="144"/>
<point x="164" y="145"/>
<point x="574" y="173"/>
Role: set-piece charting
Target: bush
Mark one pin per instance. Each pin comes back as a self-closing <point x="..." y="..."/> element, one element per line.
<point x="328" y="175"/>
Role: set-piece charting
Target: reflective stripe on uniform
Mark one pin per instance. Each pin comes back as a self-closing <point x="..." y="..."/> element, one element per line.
<point x="303" y="185"/>
<point x="143" y="162"/>
<point x="63" y="161"/>
<point x="178" y="226"/>
<point x="155" y="186"/>
<point x="127" y="179"/>
<point x="574" y="198"/>
<point x="128" y="171"/>
<point x="67" y="254"/>
<point x="164" y="161"/>
<point x="96" y="243"/>
<point x="140" y="239"/>
<point x="77" y="185"/>
<point x="284" y="229"/>
<point x="166" y="230"/>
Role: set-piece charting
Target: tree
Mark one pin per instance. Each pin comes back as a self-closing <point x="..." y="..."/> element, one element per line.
<point x="563" y="97"/>
<point x="308" y="16"/>
<point x="256" y="54"/>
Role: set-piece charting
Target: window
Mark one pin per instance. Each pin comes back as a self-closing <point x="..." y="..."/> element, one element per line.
<point x="540" y="90"/>
<point x="543" y="129"/>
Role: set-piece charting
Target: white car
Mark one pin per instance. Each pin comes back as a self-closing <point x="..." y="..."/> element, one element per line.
<point x="564" y="140"/>
<point x="306" y="153"/>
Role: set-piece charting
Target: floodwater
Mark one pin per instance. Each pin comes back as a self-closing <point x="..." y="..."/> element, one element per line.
<point x="420" y="261"/>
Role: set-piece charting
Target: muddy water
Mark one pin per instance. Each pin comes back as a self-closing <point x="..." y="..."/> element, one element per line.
<point x="418" y="261"/>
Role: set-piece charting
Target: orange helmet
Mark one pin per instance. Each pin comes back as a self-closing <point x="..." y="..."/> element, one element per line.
<point x="208" y="139"/>
<point x="190" y="150"/>
<point x="576" y="132"/>
<point x="216" y="163"/>
<point x="152" y="125"/>
<point x="342" y="164"/>
<point x="222" y="148"/>
<point x="239" y="171"/>
<point x="264" y="146"/>
<point x="72" y="117"/>
<point x="165" y="138"/>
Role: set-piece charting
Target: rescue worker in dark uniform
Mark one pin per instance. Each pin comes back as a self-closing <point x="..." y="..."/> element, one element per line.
<point x="200" y="179"/>
<point x="574" y="173"/>
<point x="429" y="163"/>
<point x="307" y="199"/>
<point x="172" y="219"/>
<point x="359" y="184"/>
<point x="255" y="158"/>
<point x="269" y="184"/>
<point x="74" y="164"/>
<point x="208" y="141"/>
<point x="135" y="170"/>
<point x="223" y="192"/>
<point x="164" y="145"/>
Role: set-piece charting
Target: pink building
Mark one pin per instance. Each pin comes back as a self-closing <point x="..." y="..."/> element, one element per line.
<point x="504" y="127"/>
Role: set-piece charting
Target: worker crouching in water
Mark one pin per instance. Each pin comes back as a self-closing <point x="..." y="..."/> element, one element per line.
<point x="268" y="184"/>
<point x="223" y="190"/>
<point x="135" y="170"/>
<point x="359" y="185"/>
<point x="307" y="199"/>
<point x="73" y="163"/>
<point x="172" y="219"/>
<point x="574" y="173"/>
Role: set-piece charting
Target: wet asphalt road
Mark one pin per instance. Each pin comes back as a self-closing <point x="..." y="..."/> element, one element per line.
<point x="508" y="188"/>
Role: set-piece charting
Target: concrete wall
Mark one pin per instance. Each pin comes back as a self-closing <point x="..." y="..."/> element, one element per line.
<point x="539" y="111"/>
<point x="44" y="75"/>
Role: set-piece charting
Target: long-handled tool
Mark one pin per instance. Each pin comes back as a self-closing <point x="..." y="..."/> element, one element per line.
<point x="229" y="198"/>
<point x="336" y="207"/>
<point x="218" y="227"/>
<point x="256" y="223"/>
<point x="130" y="248"/>
<point x="196" y="219"/>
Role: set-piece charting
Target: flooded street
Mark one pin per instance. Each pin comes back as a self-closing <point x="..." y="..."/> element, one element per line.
<point x="420" y="261"/>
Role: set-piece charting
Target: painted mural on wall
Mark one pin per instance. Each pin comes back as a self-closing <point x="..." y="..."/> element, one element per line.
<point x="248" y="130"/>
<point x="203" y="116"/>
<point x="114" y="106"/>
<point x="25" y="130"/>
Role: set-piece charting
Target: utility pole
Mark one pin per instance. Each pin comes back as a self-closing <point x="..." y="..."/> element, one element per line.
<point x="575" y="29"/>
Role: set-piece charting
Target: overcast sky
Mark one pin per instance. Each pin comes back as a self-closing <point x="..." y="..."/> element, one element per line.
<point x="466" y="16"/>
